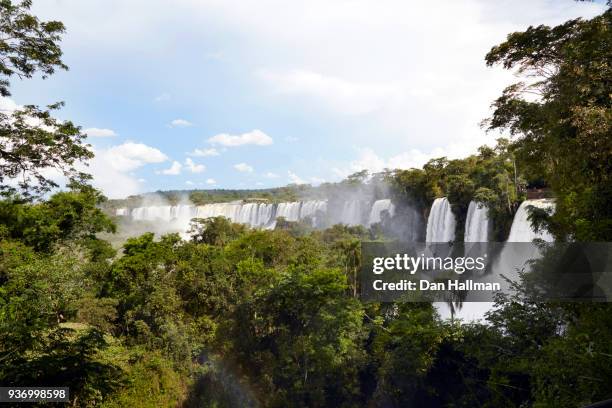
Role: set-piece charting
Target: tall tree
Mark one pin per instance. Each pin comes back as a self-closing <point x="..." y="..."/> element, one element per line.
<point x="564" y="132"/>
<point x="33" y="144"/>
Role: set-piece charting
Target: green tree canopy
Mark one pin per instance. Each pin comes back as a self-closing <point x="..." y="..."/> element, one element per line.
<point x="32" y="141"/>
<point x="564" y="133"/>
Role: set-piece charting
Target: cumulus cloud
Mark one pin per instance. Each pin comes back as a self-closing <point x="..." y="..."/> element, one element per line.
<point x="180" y="123"/>
<point x="173" y="170"/>
<point x="111" y="168"/>
<point x="189" y="183"/>
<point x="97" y="132"/>
<point x="254" y="137"/>
<point x="193" y="167"/>
<point x="368" y="159"/>
<point x="129" y="156"/>
<point x="113" y="182"/>
<point x="270" y="174"/>
<point x="294" y="178"/>
<point x="243" y="167"/>
<point x="204" y="152"/>
<point x="418" y="86"/>
<point x="211" y="181"/>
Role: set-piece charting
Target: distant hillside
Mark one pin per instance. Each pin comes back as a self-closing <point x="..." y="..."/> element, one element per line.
<point x="199" y="196"/>
<point x="292" y="192"/>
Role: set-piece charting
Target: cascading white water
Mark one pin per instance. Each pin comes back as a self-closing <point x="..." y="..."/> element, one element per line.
<point x="289" y="211"/>
<point x="521" y="230"/>
<point x="153" y="213"/>
<point x="181" y="215"/>
<point x="253" y="214"/>
<point x="264" y="215"/>
<point x="227" y="210"/>
<point x="311" y="209"/>
<point x="247" y="214"/>
<point x="441" y="222"/>
<point x="351" y="213"/>
<point x="121" y="212"/>
<point x="378" y="208"/>
<point x="477" y="224"/>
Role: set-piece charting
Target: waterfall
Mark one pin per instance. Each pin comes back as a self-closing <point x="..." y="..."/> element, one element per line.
<point x="441" y="222"/>
<point x="477" y="223"/>
<point x="247" y="214"/>
<point x="252" y="214"/>
<point x="351" y="213"/>
<point x="264" y="215"/>
<point x="227" y="210"/>
<point x="521" y="230"/>
<point x="153" y="213"/>
<point x="121" y="212"/>
<point x="290" y="211"/>
<point x="377" y="209"/>
<point x="311" y="209"/>
<point x="181" y="215"/>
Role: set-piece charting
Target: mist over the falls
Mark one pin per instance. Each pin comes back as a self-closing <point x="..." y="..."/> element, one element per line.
<point x="369" y="205"/>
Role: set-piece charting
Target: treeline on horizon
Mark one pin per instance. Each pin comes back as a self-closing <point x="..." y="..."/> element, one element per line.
<point x="242" y="317"/>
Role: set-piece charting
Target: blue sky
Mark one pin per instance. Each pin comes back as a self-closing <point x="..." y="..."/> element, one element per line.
<point x="274" y="92"/>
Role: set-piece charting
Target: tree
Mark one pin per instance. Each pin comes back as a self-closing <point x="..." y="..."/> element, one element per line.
<point x="405" y="344"/>
<point x="66" y="216"/>
<point x="301" y="340"/>
<point x="214" y="231"/>
<point x="37" y="293"/>
<point x="487" y="177"/>
<point x="564" y="134"/>
<point x="32" y="142"/>
<point x="27" y="45"/>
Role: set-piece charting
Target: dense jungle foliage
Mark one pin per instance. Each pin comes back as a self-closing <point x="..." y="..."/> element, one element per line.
<point x="243" y="317"/>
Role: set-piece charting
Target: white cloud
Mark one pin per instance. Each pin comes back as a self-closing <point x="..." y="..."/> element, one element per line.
<point x="369" y="160"/>
<point x="180" y="123"/>
<point x="193" y="167"/>
<point x="111" y="168"/>
<point x="254" y="137"/>
<point x="189" y="183"/>
<point x="113" y="182"/>
<point x="419" y="85"/>
<point x="271" y="175"/>
<point x="97" y="132"/>
<point x="342" y="95"/>
<point x="205" y="152"/>
<point x="211" y="181"/>
<point x="243" y="167"/>
<point x="173" y="170"/>
<point x="129" y="156"/>
<point x="294" y="178"/>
